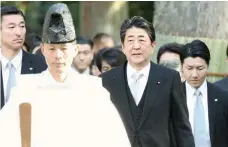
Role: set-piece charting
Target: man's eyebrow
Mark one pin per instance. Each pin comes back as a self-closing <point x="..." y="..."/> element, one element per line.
<point x="12" y="23"/>
<point x="130" y="36"/>
<point x="141" y="36"/>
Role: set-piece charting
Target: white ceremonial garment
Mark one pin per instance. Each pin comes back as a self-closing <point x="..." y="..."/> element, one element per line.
<point x="76" y="113"/>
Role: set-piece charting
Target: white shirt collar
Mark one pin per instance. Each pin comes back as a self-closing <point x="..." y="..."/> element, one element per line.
<point x="16" y="61"/>
<point x="203" y="88"/>
<point x="131" y="71"/>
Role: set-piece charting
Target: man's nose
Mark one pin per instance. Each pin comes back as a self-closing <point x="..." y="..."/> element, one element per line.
<point x="18" y="31"/>
<point x="59" y="54"/>
<point x="136" y="45"/>
<point x="195" y="73"/>
<point x="81" y="57"/>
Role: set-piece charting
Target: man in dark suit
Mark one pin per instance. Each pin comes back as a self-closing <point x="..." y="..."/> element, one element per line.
<point x="207" y="104"/>
<point x="147" y="96"/>
<point x="84" y="57"/>
<point x="14" y="60"/>
<point x="224" y="82"/>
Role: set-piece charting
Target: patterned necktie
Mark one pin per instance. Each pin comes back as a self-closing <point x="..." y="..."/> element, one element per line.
<point x="199" y="122"/>
<point x="11" y="80"/>
<point x="135" y="86"/>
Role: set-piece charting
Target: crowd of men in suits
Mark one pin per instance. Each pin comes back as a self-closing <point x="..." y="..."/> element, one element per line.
<point x="159" y="106"/>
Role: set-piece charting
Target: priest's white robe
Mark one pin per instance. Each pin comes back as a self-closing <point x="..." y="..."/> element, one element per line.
<point x="76" y="113"/>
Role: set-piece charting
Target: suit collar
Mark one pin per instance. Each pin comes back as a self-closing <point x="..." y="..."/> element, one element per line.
<point x="16" y="61"/>
<point x="2" y="90"/>
<point x="191" y="90"/>
<point x="120" y="84"/>
<point x="131" y="71"/>
<point x="155" y="81"/>
<point x="212" y="100"/>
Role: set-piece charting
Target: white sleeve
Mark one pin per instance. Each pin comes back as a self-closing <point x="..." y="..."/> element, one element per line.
<point x="9" y="121"/>
<point x="113" y="126"/>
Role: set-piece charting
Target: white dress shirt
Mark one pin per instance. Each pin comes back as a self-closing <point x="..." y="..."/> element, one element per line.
<point x="142" y="81"/>
<point x="17" y="63"/>
<point x="191" y="99"/>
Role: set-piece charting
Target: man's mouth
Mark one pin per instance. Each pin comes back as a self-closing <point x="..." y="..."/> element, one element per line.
<point x="18" y="40"/>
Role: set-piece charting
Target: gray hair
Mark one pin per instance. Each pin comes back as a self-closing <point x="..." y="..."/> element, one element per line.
<point x="172" y="64"/>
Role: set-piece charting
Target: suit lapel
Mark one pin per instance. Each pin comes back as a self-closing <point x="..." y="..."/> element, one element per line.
<point x="211" y="110"/>
<point x="120" y="83"/>
<point x="26" y="67"/>
<point x="153" y="86"/>
<point x="2" y="91"/>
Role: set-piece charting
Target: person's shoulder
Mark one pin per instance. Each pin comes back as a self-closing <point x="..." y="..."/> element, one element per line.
<point x="92" y="84"/>
<point x="38" y="61"/>
<point x="33" y="57"/>
<point x="113" y="71"/>
<point x="219" y="91"/>
<point x="222" y="82"/>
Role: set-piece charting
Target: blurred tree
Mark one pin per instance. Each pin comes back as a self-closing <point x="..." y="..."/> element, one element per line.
<point x="142" y="8"/>
<point x="192" y="18"/>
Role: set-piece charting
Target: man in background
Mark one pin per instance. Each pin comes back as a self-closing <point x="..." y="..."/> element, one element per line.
<point x="169" y="56"/>
<point x="207" y="103"/>
<point x="84" y="57"/>
<point x="110" y="58"/>
<point x="224" y="82"/>
<point x="102" y="40"/>
<point x="15" y="61"/>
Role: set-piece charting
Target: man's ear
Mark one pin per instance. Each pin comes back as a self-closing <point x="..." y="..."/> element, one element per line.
<point x="42" y="48"/>
<point x="181" y="68"/>
<point x="122" y="47"/>
<point x="154" y="44"/>
<point x="76" y="50"/>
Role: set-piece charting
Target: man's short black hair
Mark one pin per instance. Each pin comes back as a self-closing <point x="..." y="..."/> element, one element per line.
<point x="169" y="47"/>
<point x="114" y="57"/>
<point x="32" y="40"/>
<point x="10" y="10"/>
<point x="196" y="48"/>
<point x="138" y="22"/>
<point x="97" y="38"/>
<point x="84" y="40"/>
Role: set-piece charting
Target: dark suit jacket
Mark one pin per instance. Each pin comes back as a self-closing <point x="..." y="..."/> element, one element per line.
<point x="30" y="64"/>
<point x="164" y="102"/>
<point x="217" y="115"/>
<point x="222" y="83"/>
